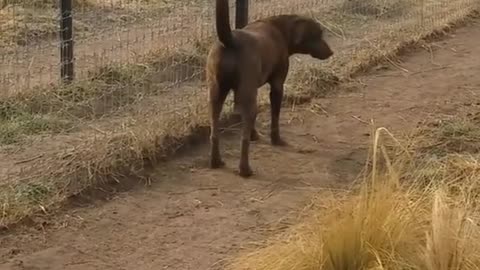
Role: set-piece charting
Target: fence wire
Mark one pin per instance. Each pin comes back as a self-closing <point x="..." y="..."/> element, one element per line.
<point x="120" y="32"/>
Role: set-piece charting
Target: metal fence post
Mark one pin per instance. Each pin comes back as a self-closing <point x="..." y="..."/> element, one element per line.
<point x="241" y="13"/>
<point x="66" y="41"/>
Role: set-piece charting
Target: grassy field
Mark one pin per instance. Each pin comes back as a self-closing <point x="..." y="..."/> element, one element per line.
<point x="59" y="141"/>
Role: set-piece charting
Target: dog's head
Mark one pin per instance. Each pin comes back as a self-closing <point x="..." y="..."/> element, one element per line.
<point x="308" y="39"/>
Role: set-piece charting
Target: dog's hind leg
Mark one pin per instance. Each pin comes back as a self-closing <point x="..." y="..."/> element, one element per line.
<point x="276" y="97"/>
<point x="248" y="104"/>
<point x="237" y="110"/>
<point x="216" y="98"/>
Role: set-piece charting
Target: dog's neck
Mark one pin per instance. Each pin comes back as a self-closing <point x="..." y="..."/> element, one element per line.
<point x="285" y="25"/>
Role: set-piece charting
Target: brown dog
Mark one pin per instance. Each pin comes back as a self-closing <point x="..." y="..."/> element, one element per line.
<point x="246" y="59"/>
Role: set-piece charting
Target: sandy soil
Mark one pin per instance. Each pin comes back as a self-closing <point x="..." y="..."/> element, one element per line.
<point x="191" y="217"/>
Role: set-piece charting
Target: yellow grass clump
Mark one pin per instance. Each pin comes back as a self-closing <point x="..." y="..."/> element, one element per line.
<point x="393" y="222"/>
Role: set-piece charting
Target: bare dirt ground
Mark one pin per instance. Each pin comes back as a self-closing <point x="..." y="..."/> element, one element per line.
<point x="191" y="217"/>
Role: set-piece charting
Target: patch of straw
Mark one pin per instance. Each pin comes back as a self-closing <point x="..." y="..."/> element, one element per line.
<point x="388" y="225"/>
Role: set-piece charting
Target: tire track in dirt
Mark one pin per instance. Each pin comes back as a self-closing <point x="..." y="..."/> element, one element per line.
<point x="192" y="217"/>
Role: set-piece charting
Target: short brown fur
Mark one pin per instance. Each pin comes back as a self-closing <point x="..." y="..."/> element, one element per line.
<point x="245" y="59"/>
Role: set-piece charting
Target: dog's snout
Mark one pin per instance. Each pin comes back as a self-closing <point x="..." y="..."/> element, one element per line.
<point x="325" y="50"/>
<point x="326" y="53"/>
<point x="330" y="53"/>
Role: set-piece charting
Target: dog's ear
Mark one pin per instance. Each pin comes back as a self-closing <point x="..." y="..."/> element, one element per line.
<point x="299" y="31"/>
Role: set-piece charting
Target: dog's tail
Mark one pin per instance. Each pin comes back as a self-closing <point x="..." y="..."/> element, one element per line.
<point x="224" y="31"/>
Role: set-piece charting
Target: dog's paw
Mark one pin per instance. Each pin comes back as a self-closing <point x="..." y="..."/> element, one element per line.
<point x="245" y="172"/>
<point x="216" y="163"/>
<point x="277" y="141"/>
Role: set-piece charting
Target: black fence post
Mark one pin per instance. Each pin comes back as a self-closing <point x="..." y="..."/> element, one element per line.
<point x="66" y="41"/>
<point x="241" y="13"/>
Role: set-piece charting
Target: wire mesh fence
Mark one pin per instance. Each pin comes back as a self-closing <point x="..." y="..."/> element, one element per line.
<point x="126" y="31"/>
<point x="148" y="46"/>
<point x="130" y="55"/>
<point x="105" y="32"/>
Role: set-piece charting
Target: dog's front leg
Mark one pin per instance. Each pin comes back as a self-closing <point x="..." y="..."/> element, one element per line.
<point x="276" y="97"/>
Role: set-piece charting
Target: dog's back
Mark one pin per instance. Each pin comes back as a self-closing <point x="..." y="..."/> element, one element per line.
<point x="255" y="49"/>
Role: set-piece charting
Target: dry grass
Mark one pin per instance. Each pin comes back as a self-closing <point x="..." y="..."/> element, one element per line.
<point x="20" y="25"/>
<point x="110" y="88"/>
<point x="40" y="3"/>
<point x="451" y="145"/>
<point x="141" y="4"/>
<point x="16" y="128"/>
<point x="62" y="109"/>
<point x="24" y="22"/>
<point x="394" y="221"/>
<point x="137" y="135"/>
<point x="377" y="8"/>
<point x="111" y="91"/>
<point x="23" y="25"/>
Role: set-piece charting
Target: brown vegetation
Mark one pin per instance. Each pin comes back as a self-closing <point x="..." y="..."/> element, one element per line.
<point x="417" y="211"/>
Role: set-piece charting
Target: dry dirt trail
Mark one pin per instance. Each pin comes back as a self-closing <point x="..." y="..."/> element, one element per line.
<point x="192" y="217"/>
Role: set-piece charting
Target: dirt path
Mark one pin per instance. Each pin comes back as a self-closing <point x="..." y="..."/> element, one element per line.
<point x="193" y="218"/>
